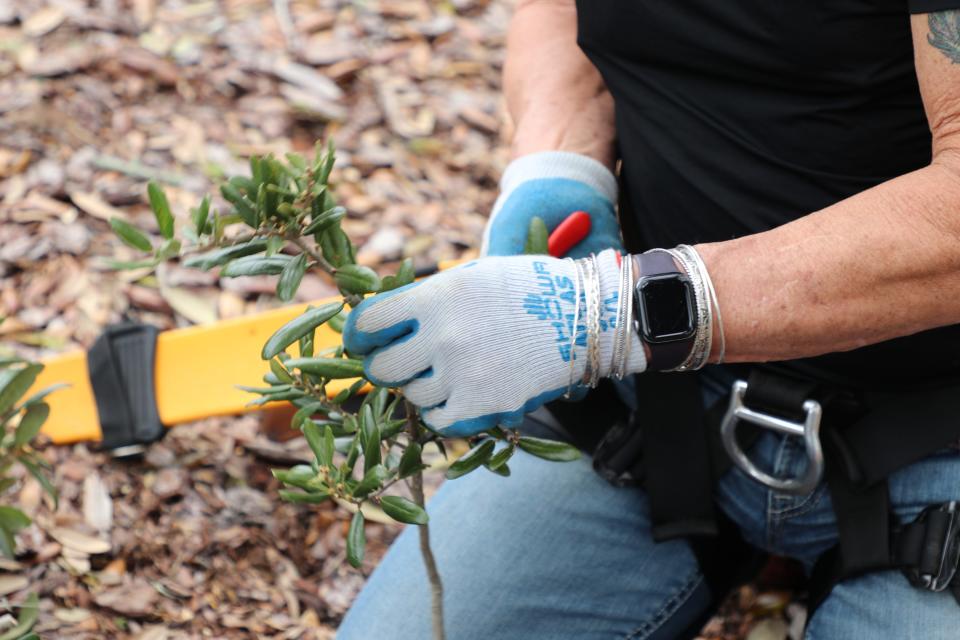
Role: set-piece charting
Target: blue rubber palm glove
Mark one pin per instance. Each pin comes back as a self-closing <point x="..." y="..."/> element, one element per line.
<point x="482" y="344"/>
<point x="552" y="185"/>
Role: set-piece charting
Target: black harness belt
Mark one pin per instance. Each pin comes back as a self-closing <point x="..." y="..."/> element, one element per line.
<point x="677" y="454"/>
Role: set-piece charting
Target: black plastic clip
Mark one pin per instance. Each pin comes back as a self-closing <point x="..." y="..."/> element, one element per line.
<point x="931" y="547"/>
<point x="121" y="368"/>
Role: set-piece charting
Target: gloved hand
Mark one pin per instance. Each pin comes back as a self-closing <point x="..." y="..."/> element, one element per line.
<point x="484" y="343"/>
<point x="552" y="185"/>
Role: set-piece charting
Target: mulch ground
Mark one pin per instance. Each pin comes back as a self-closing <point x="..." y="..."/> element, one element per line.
<point x="99" y="96"/>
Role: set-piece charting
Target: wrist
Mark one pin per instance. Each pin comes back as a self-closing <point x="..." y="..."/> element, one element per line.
<point x="558" y="164"/>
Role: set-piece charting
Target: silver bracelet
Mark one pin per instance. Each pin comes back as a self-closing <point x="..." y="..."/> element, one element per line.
<point x="591" y="290"/>
<point x="628" y="321"/>
<point x="703" y="339"/>
<point x="621" y="350"/>
<point x="573" y="328"/>
<point x="714" y="300"/>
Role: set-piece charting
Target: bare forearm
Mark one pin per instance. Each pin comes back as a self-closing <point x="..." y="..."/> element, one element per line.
<point x="555" y="96"/>
<point x="882" y="264"/>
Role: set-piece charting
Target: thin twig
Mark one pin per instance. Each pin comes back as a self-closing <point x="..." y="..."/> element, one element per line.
<point x="416" y="488"/>
<point x="351" y="298"/>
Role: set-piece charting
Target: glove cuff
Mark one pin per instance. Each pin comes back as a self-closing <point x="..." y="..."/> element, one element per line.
<point x="558" y="164"/>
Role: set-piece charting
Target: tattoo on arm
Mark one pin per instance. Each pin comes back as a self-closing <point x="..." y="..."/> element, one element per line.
<point x="945" y="33"/>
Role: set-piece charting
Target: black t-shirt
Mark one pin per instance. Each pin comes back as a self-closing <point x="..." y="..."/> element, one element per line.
<point x="736" y="116"/>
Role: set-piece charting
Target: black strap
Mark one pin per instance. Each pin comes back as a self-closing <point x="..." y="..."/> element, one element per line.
<point x="676" y="457"/>
<point x="900" y="429"/>
<point x="121" y="369"/>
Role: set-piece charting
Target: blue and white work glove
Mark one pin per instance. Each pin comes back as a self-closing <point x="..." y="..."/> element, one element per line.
<point x="484" y="343"/>
<point x="552" y="185"/>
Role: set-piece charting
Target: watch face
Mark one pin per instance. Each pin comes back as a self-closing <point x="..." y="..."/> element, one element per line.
<point x="666" y="308"/>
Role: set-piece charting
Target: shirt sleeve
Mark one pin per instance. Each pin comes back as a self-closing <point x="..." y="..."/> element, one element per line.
<point x="929" y="6"/>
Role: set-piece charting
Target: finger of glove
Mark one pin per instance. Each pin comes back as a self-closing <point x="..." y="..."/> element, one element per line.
<point x="426" y="390"/>
<point x="380" y="320"/>
<point x="399" y="362"/>
<point x="552" y="200"/>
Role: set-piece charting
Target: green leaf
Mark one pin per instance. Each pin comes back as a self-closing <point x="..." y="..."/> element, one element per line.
<point x="276" y="367"/>
<point x="536" y="237"/>
<point x="255" y="266"/>
<point x="38" y="473"/>
<point x="271" y="390"/>
<point x="126" y="265"/>
<point x="324" y="220"/>
<point x="356" y="540"/>
<point x="169" y="249"/>
<point x="472" y="459"/>
<point x="336" y="322"/>
<point x="304" y="414"/>
<point x="370" y="432"/>
<point x="29" y="611"/>
<point x="331" y="368"/>
<point x="500" y="458"/>
<point x="296" y="161"/>
<point x="15" y="382"/>
<point x="11" y="521"/>
<point x="267" y="201"/>
<point x="304" y="498"/>
<point x="43" y="393"/>
<point x="355" y="278"/>
<point x="405" y="275"/>
<point x="207" y="261"/>
<point x="377" y="399"/>
<point x="392" y="428"/>
<point x="30" y="424"/>
<point x="130" y="234"/>
<point x="549" y="449"/>
<point x="403" y="510"/>
<point x="345" y="394"/>
<point x="243" y="206"/>
<point x="372" y="479"/>
<point x="292" y="394"/>
<point x="161" y="209"/>
<point x="301" y="476"/>
<point x="290" y="278"/>
<point x="256" y="173"/>
<point x="321" y="443"/>
<point x="336" y="247"/>
<point x="304" y="324"/>
<point x="199" y="216"/>
<point x="502" y="470"/>
<point x="410" y="462"/>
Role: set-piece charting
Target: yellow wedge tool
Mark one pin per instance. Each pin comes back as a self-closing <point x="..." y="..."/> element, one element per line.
<point x="196" y="373"/>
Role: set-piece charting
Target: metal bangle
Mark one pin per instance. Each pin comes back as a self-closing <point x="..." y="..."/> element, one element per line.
<point x="703" y="338"/>
<point x="616" y="356"/>
<point x="628" y="321"/>
<point x="591" y="289"/>
<point x="573" y="327"/>
<point x="714" y="301"/>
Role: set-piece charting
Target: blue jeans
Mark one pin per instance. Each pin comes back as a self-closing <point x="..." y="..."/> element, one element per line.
<point x="555" y="552"/>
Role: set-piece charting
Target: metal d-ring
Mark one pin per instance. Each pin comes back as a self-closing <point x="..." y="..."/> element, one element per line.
<point x="808" y="430"/>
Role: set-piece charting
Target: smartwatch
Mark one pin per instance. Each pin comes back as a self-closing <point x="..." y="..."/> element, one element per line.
<point x="666" y="318"/>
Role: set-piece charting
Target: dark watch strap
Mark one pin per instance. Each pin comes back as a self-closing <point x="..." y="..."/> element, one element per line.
<point x="663" y="355"/>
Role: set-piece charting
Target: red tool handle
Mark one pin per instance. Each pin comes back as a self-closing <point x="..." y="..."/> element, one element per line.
<point x="568" y="233"/>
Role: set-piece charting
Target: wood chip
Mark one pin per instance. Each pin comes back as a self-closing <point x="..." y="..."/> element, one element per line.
<point x="43" y="21"/>
<point x="11" y="584"/>
<point x="94" y="205"/>
<point x="97" y="504"/>
<point x="78" y="541"/>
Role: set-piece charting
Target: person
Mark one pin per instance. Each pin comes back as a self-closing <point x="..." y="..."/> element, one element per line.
<point x="795" y="167"/>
